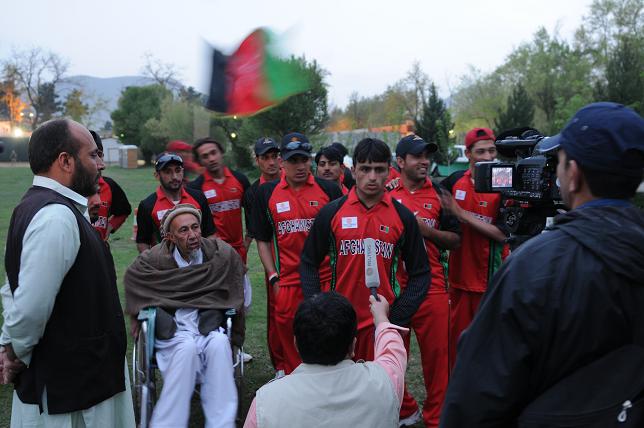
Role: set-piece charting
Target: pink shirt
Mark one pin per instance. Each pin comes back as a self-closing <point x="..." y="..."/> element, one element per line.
<point x="390" y="355"/>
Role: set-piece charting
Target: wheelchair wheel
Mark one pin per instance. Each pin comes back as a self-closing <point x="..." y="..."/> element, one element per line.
<point x="144" y="388"/>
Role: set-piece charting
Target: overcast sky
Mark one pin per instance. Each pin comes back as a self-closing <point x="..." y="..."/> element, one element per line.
<point x="364" y="45"/>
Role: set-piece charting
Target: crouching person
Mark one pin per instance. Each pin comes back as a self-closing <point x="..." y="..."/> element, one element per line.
<point x="191" y="281"/>
<point x="328" y="388"/>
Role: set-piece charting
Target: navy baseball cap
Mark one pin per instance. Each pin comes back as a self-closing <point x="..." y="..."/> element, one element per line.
<point x="602" y="136"/>
<point x="265" y="144"/>
<point x="166" y="159"/>
<point x="414" y="145"/>
<point x="295" y="144"/>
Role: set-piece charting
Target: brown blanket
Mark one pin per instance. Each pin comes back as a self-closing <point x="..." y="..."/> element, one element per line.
<point x="154" y="279"/>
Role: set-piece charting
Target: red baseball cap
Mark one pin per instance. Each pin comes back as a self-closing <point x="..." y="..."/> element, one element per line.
<point x="478" y="134"/>
<point x="178" y="146"/>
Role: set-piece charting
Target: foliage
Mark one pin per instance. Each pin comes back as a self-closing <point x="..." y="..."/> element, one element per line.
<point x="74" y="106"/>
<point x="518" y="112"/>
<point x="625" y="73"/>
<point x="10" y="103"/>
<point x="434" y="123"/>
<point x="36" y="73"/>
<point x="47" y="103"/>
<point x="136" y="106"/>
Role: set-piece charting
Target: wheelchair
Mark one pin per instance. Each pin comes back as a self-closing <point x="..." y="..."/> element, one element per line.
<point x="144" y="375"/>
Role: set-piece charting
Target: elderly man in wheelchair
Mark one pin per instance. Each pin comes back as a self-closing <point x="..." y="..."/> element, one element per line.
<point x="184" y="288"/>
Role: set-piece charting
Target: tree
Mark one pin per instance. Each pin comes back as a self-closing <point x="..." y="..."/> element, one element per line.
<point x="12" y="106"/>
<point x="34" y="69"/>
<point x="74" y="106"/>
<point x="518" y="112"/>
<point x="136" y="106"/>
<point x="164" y="73"/>
<point x="47" y="104"/>
<point x="434" y="123"/>
<point x="625" y="75"/>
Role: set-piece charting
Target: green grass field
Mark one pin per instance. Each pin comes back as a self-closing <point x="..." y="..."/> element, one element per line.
<point x="137" y="184"/>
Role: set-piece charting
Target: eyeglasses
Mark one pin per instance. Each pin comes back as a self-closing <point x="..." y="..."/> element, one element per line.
<point x="169" y="157"/>
<point x="295" y="145"/>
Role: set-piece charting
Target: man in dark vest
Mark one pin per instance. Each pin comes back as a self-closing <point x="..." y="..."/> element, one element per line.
<point x="63" y="336"/>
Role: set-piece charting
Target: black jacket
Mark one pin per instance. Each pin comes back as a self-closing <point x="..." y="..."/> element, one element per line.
<point x="565" y="298"/>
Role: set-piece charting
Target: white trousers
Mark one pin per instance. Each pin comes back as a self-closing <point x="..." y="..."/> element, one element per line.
<point x="189" y="358"/>
<point x="116" y="411"/>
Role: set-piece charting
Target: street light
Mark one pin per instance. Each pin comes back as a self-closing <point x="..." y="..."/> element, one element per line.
<point x="233" y="135"/>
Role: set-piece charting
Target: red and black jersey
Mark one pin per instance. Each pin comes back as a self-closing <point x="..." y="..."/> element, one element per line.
<point x="340" y="230"/>
<point x="114" y="208"/>
<point x="249" y="202"/>
<point x="152" y="209"/>
<point x="284" y="215"/>
<point x="425" y="204"/>
<point x="225" y="201"/>
<point x="472" y="265"/>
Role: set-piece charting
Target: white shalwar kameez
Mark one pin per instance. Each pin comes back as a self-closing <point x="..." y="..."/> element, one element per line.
<point x="189" y="358"/>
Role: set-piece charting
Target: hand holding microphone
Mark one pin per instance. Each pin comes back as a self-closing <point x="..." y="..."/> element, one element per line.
<point x="379" y="309"/>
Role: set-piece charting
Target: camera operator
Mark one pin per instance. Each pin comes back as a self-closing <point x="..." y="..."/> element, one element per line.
<point x="567" y="297"/>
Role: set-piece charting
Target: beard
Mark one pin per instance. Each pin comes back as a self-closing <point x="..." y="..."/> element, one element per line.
<point x="83" y="182"/>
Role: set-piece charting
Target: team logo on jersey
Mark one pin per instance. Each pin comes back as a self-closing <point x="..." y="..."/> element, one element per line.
<point x="483" y="203"/>
<point x="349" y="222"/>
<point x="427" y="206"/>
<point x="384" y="228"/>
<point x="283" y="207"/>
<point x="460" y="195"/>
<point x="313" y="203"/>
<point x="212" y="193"/>
<point x="294" y="226"/>
<point x="356" y="246"/>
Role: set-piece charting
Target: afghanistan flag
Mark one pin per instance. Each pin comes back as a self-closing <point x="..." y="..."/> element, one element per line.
<point x="253" y="78"/>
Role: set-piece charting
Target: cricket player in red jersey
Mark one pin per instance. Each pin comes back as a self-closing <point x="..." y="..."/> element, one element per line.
<point x="224" y="189"/>
<point x="282" y="216"/>
<point x="171" y="192"/>
<point x="340" y="230"/>
<point x="483" y="248"/>
<point x="267" y="157"/>
<point x="328" y="162"/>
<point x="441" y="232"/>
<point x="114" y="207"/>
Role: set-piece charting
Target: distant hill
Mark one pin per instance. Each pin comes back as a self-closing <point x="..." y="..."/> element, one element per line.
<point x="105" y="88"/>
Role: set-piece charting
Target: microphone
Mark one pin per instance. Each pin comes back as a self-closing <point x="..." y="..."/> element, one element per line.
<point x="371" y="276"/>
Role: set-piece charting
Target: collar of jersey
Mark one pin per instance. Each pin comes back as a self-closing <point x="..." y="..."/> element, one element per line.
<point x="161" y="194"/>
<point x="284" y="184"/>
<point x="353" y="199"/>
<point x="208" y="177"/>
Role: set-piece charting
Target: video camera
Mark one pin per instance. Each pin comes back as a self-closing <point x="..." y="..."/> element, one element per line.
<point x="528" y="185"/>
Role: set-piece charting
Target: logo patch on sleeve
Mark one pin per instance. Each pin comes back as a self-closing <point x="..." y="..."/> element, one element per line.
<point x="384" y="228"/>
<point x="283" y="207"/>
<point x="313" y="203"/>
<point x="349" y="222"/>
<point x="427" y="206"/>
<point x="460" y="195"/>
<point x="483" y="203"/>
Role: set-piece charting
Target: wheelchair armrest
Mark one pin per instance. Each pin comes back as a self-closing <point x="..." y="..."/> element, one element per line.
<point x="148" y="316"/>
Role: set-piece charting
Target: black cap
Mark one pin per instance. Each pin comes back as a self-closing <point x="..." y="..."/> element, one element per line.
<point x="167" y="158"/>
<point x="604" y="137"/>
<point x="265" y="144"/>
<point x="295" y="144"/>
<point x="413" y="144"/>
